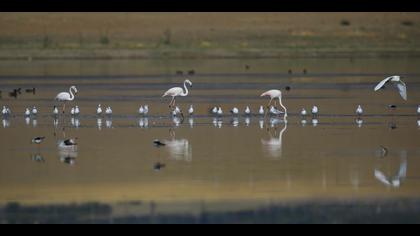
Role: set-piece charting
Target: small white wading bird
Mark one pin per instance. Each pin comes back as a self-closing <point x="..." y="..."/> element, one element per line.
<point x="247" y="111"/>
<point x="176" y="111"/>
<point x="191" y="110"/>
<point x="418" y="110"/>
<point x="4" y="112"/>
<point x="234" y="111"/>
<point x="55" y="111"/>
<point x="359" y="110"/>
<point x="177" y="91"/>
<point x="146" y="110"/>
<point x="66" y="96"/>
<point x="214" y="110"/>
<point x="72" y="111"/>
<point x="220" y="111"/>
<point x="141" y="110"/>
<point x="77" y="111"/>
<point x="274" y="111"/>
<point x="273" y="94"/>
<point x="99" y="110"/>
<point x="303" y="113"/>
<point x="315" y="111"/>
<point x="27" y="112"/>
<point x="261" y="111"/>
<point x="34" y="111"/>
<point x="402" y="88"/>
<point x="108" y="111"/>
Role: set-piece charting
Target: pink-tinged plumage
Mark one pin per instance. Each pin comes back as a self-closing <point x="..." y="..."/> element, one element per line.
<point x="275" y="94"/>
<point x="177" y="91"/>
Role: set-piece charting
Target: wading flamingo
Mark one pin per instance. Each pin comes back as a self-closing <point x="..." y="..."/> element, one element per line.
<point x="273" y="94"/>
<point x="177" y="91"/>
<point x="66" y="96"/>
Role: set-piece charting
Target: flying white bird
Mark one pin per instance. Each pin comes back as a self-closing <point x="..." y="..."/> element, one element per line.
<point x="275" y="94"/>
<point x="359" y="110"/>
<point x="66" y="96"/>
<point x="177" y="91"/>
<point x="402" y="88"/>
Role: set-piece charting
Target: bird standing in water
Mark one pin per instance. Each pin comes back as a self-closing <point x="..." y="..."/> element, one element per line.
<point x="273" y="94"/>
<point x="176" y="92"/>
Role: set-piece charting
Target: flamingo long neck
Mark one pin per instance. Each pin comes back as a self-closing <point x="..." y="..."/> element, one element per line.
<point x="186" y="90"/>
<point x="285" y="109"/>
<point x="71" y="94"/>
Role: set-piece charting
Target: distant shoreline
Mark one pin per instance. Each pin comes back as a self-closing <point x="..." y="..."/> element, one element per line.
<point x="111" y="54"/>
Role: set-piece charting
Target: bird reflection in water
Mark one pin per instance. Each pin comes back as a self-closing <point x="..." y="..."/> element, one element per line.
<point x="179" y="149"/>
<point x="274" y="145"/>
<point x="396" y="180"/>
<point x="108" y="123"/>
<point x="68" y="151"/>
<point x="235" y="122"/>
<point x="217" y="122"/>
<point x="359" y="122"/>
<point x="99" y="123"/>
<point x="27" y="121"/>
<point x="37" y="157"/>
<point x="191" y="122"/>
<point x="144" y="122"/>
<point x="75" y="122"/>
<point x="6" y="122"/>
<point x="34" y="123"/>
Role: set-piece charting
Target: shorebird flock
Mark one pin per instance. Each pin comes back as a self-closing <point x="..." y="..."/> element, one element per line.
<point x="175" y="111"/>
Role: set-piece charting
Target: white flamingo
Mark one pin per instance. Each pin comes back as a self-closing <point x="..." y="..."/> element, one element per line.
<point x="273" y="94"/>
<point x="66" y="96"/>
<point x="177" y="91"/>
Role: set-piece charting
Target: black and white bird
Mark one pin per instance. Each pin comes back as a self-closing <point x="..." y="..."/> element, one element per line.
<point x="402" y="87"/>
<point x="247" y="111"/>
<point x="55" y="111"/>
<point x="234" y="111"/>
<point x="158" y="143"/>
<point x="68" y="143"/>
<point x="99" y="110"/>
<point x="359" y="111"/>
<point x="191" y="110"/>
<point x="303" y="113"/>
<point x="315" y="111"/>
<point x="34" y="111"/>
<point x="38" y="140"/>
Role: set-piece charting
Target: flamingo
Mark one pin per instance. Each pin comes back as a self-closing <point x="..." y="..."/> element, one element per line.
<point x="177" y="91"/>
<point x="402" y="88"/>
<point x="275" y="94"/>
<point x="66" y="96"/>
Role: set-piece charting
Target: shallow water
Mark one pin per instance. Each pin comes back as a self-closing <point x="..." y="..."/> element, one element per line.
<point x="214" y="165"/>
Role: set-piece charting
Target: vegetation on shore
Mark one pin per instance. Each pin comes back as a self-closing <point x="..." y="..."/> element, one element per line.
<point x="207" y="35"/>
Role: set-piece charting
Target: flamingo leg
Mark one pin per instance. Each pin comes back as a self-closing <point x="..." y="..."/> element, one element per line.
<point x="64" y="107"/>
<point x="268" y="108"/>
<point x="172" y="101"/>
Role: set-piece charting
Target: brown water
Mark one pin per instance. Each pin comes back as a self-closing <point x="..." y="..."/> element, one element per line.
<point x="220" y="165"/>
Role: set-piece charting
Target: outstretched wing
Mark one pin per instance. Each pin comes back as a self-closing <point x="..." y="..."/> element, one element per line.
<point x="402" y="88"/>
<point x="382" y="83"/>
<point x="381" y="177"/>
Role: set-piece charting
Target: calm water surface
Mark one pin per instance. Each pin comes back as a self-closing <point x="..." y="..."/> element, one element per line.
<point x="213" y="169"/>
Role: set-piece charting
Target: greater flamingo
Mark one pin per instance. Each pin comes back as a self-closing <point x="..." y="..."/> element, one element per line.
<point x="66" y="96"/>
<point x="177" y="91"/>
<point x="275" y="94"/>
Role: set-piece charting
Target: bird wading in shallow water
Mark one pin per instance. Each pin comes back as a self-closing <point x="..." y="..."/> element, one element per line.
<point x="273" y="94"/>
<point x="66" y="96"/>
<point x="176" y="92"/>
